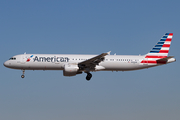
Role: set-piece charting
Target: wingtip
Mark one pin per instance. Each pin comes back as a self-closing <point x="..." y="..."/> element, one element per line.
<point x="109" y="52"/>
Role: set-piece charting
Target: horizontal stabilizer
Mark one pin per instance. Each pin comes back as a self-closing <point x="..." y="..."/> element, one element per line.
<point x="165" y="59"/>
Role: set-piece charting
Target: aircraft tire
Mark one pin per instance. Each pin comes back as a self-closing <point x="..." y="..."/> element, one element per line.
<point x="22" y="76"/>
<point x="89" y="76"/>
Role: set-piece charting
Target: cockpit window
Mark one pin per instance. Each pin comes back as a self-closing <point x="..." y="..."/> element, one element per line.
<point x="13" y="58"/>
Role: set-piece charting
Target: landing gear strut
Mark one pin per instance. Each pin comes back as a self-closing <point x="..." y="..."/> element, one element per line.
<point x="88" y="77"/>
<point x="22" y="76"/>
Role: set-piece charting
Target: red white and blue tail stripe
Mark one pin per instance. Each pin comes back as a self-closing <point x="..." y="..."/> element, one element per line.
<point x="159" y="51"/>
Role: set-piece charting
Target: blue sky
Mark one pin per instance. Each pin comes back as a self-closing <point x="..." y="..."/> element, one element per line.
<point x="89" y="27"/>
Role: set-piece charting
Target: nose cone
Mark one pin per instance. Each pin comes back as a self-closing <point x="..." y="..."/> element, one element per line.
<point x="6" y="64"/>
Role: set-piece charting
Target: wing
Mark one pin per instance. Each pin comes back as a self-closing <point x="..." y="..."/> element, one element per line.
<point x="92" y="62"/>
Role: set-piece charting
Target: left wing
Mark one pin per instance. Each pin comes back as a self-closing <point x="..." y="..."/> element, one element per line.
<point x="92" y="62"/>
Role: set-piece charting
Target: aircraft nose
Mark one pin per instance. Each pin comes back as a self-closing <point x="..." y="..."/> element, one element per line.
<point x="6" y="64"/>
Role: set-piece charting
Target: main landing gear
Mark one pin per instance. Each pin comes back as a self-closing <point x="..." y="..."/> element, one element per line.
<point x="88" y="77"/>
<point x="22" y="76"/>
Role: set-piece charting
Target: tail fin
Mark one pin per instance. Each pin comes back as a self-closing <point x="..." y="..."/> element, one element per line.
<point x="161" y="49"/>
<point x="159" y="53"/>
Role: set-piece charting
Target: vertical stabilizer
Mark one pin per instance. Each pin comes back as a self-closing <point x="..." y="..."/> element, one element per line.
<point x="160" y="50"/>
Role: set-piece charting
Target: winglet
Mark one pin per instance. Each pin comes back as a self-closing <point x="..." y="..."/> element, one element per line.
<point x="109" y="52"/>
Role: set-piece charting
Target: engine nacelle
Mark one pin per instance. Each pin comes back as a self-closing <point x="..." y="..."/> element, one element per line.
<point x="70" y="70"/>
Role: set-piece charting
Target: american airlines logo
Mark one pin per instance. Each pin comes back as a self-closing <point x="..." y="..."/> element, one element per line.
<point x="51" y="59"/>
<point x="28" y="59"/>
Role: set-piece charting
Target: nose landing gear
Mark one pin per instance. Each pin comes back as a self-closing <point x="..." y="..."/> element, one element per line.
<point x="22" y="76"/>
<point x="88" y="77"/>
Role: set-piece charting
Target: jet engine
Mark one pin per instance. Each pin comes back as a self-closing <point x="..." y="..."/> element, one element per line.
<point x="70" y="70"/>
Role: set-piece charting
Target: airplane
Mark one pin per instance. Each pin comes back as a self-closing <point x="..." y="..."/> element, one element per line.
<point x="72" y="64"/>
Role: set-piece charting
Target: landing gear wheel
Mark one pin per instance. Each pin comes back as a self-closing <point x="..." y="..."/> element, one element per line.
<point x="88" y="77"/>
<point x="22" y="76"/>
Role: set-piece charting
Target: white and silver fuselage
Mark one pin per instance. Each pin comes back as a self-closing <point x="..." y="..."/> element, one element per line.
<point x="58" y="61"/>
